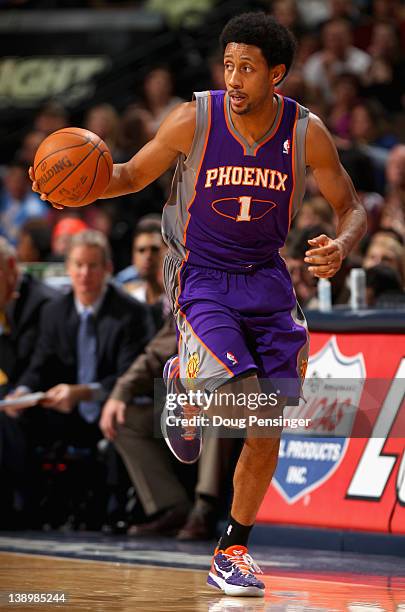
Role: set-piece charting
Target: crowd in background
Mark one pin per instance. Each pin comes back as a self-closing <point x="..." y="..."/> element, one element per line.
<point x="349" y="70"/>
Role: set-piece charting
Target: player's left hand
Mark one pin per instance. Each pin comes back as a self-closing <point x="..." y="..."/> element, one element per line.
<point x="326" y="256"/>
<point x="43" y="196"/>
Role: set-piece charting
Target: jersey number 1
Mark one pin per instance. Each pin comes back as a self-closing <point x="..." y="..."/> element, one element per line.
<point x="244" y="210"/>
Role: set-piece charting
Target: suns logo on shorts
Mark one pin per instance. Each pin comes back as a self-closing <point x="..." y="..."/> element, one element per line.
<point x="193" y="366"/>
<point x="303" y="367"/>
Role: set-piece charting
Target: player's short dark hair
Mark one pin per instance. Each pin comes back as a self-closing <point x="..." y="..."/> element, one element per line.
<point x="275" y="41"/>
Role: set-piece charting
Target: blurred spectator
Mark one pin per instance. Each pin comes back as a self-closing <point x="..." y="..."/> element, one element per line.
<point x="346" y="91"/>
<point x="147" y="255"/>
<point x="385" y="249"/>
<point x="158" y="98"/>
<point x="368" y="127"/>
<point x="131" y="425"/>
<point x="296" y="87"/>
<point x="391" y="11"/>
<point x="314" y="12"/>
<point x="316" y="211"/>
<point x="358" y="165"/>
<point x="337" y="56"/>
<point x="393" y="214"/>
<point x="384" y="288"/>
<point x="370" y="136"/>
<point x="62" y="235"/>
<point x="17" y="201"/>
<point x="286" y="12"/>
<point x="51" y="117"/>
<point x="88" y="338"/>
<point x="132" y="135"/>
<point x="308" y="45"/>
<point x="216" y="67"/>
<point x="148" y="252"/>
<point x="22" y="298"/>
<point x="384" y="80"/>
<point x="344" y="9"/>
<point x="88" y="263"/>
<point x="29" y="146"/>
<point x="104" y="121"/>
<point x="34" y="241"/>
<point x="130" y="274"/>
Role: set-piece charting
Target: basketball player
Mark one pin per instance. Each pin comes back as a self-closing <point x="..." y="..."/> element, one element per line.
<point x="241" y="158"/>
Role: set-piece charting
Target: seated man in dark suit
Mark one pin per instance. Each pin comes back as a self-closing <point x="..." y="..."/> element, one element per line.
<point x="21" y="299"/>
<point x="130" y="424"/>
<point x="88" y="338"/>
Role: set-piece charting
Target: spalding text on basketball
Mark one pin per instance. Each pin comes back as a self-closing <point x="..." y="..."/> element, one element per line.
<point x="60" y="165"/>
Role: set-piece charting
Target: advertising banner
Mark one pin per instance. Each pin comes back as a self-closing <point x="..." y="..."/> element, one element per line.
<point x="355" y="383"/>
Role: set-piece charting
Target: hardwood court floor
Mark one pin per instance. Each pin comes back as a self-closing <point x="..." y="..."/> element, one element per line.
<point x="106" y="586"/>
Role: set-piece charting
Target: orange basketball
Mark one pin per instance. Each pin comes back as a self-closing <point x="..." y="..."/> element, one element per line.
<point x="73" y="166"/>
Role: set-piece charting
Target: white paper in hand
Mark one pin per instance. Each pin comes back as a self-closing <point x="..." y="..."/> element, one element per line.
<point x="24" y="400"/>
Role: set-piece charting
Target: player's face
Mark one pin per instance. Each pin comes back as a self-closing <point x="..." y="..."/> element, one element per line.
<point x="249" y="79"/>
<point x="88" y="272"/>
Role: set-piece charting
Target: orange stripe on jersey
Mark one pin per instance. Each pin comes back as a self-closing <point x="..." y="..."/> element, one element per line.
<point x="233" y="133"/>
<point x="293" y="145"/>
<point x="198" y="170"/>
<point x="275" y="130"/>
<point x="205" y="346"/>
<point x="192" y="330"/>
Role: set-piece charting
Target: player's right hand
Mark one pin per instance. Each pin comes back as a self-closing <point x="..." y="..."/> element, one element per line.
<point x="113" y="414"/>
<point x="43" y="196"/>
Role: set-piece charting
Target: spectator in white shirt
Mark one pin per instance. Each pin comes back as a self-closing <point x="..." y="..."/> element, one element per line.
<point x="337" y="56"/>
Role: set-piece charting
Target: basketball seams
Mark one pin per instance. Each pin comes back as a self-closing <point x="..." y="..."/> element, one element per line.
<point x="75" y="146"/>
<point x="92" y="177"/>
<point x="86" y="138"/>
<point x="107" y="164"/>
<point x="93" y="181"/>
<point x="74" y="169"/>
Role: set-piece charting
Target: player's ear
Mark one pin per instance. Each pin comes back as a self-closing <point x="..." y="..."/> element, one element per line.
<point x="278" y="73"/>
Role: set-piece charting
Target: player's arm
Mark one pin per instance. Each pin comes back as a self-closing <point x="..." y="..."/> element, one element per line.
<point x="174" y="136"/>
<point x="326" y="255"/>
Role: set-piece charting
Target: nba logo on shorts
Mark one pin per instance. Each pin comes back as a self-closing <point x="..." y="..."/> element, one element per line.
<point x="231" y="357"/>
<point x="286" y="146"/>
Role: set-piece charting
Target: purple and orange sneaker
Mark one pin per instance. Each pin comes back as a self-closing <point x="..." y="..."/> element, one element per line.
<point x="184" y="439"/>
<point x="233" y="572"/>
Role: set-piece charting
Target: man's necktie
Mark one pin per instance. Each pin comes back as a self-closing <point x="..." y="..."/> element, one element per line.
<point x="87" y="363"/>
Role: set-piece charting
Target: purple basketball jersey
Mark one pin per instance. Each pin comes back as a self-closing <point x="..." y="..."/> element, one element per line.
<point x="234" y="201"/>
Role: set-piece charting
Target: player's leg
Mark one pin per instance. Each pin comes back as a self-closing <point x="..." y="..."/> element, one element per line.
<point x="281" y="347"/>
<point x="212" y="350"/>
<point x="233" y="570"/>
